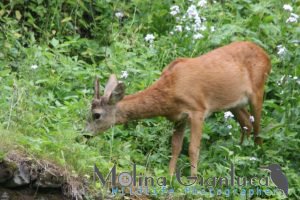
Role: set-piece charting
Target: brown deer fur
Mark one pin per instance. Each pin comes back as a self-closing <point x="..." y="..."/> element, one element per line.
<point x="189" y="89"/>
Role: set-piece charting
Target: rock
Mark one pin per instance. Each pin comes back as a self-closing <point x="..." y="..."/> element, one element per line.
<point x="46" y="179"/>
<point x="29" y="194"/>
<point x="6" y="172"/>
<point x="4" y="196"/>
<point x="18" y="170"/>
<point x="21" y="177"/>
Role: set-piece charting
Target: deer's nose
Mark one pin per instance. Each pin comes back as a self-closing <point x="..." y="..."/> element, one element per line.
<point x="96" y="115"/>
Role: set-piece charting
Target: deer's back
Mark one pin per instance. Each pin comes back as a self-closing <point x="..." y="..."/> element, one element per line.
<point x="219" y="79"/>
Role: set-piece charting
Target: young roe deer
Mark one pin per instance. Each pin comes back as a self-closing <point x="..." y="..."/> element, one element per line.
<point x="188" y="90"/>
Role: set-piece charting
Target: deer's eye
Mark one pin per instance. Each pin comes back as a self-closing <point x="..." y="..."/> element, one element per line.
<point x="97" y="115"/>
<point x="94" y="105"/>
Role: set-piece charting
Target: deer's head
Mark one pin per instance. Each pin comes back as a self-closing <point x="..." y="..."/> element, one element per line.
<point x="103" y="108"/>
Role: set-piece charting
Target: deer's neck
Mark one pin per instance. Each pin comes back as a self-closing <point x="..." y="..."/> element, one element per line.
<point x="148" y="103"/>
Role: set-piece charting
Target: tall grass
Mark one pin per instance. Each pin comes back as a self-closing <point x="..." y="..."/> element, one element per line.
<point x="52" y="50"/>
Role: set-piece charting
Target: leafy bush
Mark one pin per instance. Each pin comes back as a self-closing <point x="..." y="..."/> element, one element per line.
<point x="52" y="50"/>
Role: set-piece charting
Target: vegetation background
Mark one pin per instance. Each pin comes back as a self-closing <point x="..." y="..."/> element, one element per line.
<point x="52" y="50"/>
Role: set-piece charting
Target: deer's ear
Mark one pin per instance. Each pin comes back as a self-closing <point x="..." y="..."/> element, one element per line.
<point x="117" y="94"/>
<point x="114" y="90"/>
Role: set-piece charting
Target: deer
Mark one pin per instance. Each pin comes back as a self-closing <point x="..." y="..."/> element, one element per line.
<point x="231" y="78"/>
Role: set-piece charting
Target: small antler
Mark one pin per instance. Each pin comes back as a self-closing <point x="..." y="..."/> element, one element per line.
<point x="96" y="88"/>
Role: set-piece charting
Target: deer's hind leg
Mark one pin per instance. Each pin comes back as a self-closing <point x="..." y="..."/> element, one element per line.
<point x="243" y="118"/>
<point x="256" y="102"/>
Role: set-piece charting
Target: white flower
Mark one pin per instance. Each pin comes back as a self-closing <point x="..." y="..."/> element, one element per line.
<point x="281" y="50"/>
<point x="34" y="66"/>
<point x="279" y="82"/>
<point x="295" y="77"/>
<point x="187" y="28"/>
<point x="288" y="7"/>
<point x="171" y="33"/>
<point x="202" y="28"/>
<point x="293" y="18"/>
<point x="202" y="3"/>
<point x="251" y="119"/>
<point x="253" y="158"/>
<point x="245" y="128"/>
<point x="119" y="15"/>
<point x="149" y="38"/>
<point x="212" y="29"/>
<point x="174" y="10"/>
<point x="228" y="114"/>
<point x="124" y="74"/>
<point x="192" y="11"/>
<point x="197" y="36"/>
<point x="197" y="25"/>
<point x="178" y="28"/>
<point x="197" y="20"/>
<point x="294" y="15"/>
<point x="229" y="126"/>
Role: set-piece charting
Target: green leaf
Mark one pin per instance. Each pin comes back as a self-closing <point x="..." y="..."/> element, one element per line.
<point x="54" y="42"/>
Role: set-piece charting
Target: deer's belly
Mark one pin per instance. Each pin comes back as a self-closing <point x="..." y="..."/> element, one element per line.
<point x="178" y="117"/>
<point x="228" y="103"/>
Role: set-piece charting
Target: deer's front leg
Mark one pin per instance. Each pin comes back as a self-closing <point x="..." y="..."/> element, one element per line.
<point x="196" y="121"/>
<point x="177" y="139"/>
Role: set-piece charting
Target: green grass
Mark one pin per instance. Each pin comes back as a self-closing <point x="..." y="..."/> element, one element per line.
<point x="43" y="111"/>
